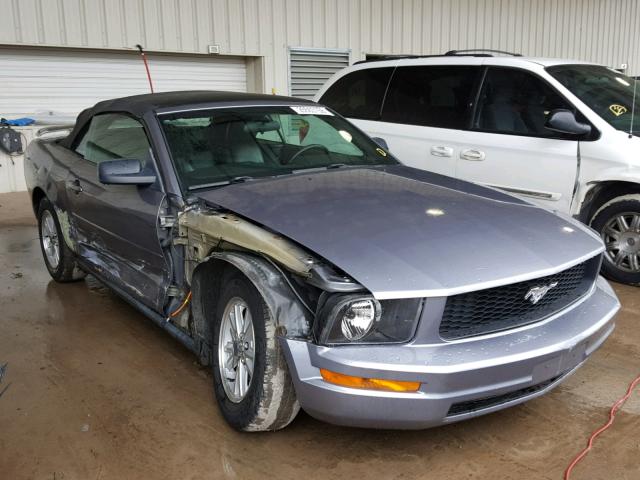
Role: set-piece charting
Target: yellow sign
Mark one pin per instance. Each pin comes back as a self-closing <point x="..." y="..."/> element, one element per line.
<point x="617" y="110"/>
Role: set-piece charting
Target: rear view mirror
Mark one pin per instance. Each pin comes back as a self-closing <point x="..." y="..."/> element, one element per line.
<point x="261" y="127"/>
<point x="564" y="121"/>
<point x="125" y="172"/>
<point x="381" y="142"/>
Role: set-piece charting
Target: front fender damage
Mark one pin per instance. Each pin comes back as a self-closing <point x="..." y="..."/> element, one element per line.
<point x="290" y="316"/>
<point x="206" y="230"/>
<point x="282" y="271"/>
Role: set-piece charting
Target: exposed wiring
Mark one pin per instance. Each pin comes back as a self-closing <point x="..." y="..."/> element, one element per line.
<point x="612" y="413"/>
<point x="182" y="306"/>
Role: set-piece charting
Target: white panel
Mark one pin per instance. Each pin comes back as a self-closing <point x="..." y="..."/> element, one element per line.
<point x="317" y="24"/>
<point x="52" y="31"/>
<point x="65" y="81"/>
<point x="27" y="20"/>
<point x="74" y="27"/>
<point x="8" y="33"/>
<point x="236" y="22"/>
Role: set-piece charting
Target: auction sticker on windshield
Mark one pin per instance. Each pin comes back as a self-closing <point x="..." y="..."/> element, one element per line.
<point x="311" y="110"/>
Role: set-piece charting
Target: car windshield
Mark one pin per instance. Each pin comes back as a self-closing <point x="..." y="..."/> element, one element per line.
<point x="607" y="92"/>
<point x="219" y="146"/>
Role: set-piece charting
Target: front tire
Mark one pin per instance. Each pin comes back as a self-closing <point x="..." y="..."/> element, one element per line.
<point x="618" y="223"/>
<point x="58" y="258"/>
<point x="252" y="384"/>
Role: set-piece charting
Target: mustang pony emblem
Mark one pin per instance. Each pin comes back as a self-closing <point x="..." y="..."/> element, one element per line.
<point x="535" y="294"/>
<point x="617" y="110"/>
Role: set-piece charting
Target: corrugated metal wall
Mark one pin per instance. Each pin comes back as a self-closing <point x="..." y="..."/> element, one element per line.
<point x="605" y="31"/>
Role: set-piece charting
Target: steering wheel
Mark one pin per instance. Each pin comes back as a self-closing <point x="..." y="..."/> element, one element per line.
<point x="306" y="149"/>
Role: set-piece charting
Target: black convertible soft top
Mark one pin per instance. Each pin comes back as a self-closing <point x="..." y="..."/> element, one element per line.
<point x="139" y="105"/>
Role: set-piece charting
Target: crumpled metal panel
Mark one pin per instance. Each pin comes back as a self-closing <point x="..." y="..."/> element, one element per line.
<point x="286" y="310"/>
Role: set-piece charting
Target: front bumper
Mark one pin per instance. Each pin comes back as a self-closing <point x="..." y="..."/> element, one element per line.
<point x="460" y="379"/>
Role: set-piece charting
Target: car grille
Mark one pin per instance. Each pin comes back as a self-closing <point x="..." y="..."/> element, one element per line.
<point x="502" y="308"/>
<point x="488" y="402"/>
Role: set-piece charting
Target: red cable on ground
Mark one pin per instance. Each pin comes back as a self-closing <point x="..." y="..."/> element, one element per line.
<point x="612" y="413"/>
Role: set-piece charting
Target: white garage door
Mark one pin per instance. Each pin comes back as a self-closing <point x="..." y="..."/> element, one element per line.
<point x="33" y="80"/>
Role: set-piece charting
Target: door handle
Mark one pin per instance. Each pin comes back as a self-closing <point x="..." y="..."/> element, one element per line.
<point x="439" y="151"/>
<point x="75" y="186"/>
<point x="473" y="155"/>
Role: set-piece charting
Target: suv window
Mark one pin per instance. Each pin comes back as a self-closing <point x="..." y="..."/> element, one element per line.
<point x="607" y="92"/>
<point x="432" y="96"/>
<point x="112" y="136"/>
<point x="516" y="102"/>
<point x="359" y="94"/>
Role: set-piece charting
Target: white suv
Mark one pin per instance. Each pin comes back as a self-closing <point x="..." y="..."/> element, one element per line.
<point x="557" y="132"/>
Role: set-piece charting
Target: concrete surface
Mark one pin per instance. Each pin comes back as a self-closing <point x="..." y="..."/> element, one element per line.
<point x="98" y="392"/>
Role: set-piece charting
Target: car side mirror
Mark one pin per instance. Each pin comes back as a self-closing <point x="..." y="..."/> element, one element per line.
<point x="564" y="121"/>
<point x="381" y="142"/>
<point x="125" y="172"/>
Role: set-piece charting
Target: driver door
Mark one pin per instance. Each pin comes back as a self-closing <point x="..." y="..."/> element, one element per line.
<point x="117" y="225"/>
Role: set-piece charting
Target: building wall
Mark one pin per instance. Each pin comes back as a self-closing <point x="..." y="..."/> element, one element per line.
<point x="604" y="31"/>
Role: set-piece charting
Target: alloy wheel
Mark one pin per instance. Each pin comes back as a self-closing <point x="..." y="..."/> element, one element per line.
<point x="621" y="235"/>
<point x="236" y="349"/>
<point x="50" y="240"/>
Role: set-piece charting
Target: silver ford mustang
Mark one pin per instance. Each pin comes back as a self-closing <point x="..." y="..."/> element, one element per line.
<point x="309" y="268"/>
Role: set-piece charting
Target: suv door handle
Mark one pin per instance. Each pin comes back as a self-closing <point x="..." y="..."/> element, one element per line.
<point x="75" y="186"/>
<point x="473" y="155"/>
<point x="439" y="151"/>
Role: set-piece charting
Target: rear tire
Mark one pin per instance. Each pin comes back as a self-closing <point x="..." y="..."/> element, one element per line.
<point x="266" y="398"/>
<point x="618" y="223"/>
<point x="58" y="258"/>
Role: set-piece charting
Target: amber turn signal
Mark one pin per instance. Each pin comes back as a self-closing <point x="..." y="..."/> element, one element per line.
<point x="368" y="383"/>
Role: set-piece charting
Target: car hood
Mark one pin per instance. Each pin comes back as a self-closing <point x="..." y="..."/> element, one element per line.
<point x="403" y="232"/>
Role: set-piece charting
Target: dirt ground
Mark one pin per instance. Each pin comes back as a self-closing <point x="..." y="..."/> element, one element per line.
<point x="96" y="391"/>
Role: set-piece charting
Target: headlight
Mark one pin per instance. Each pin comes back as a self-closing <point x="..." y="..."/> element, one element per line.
<point x="358" y="317"/>
<point x="345" y="319"/>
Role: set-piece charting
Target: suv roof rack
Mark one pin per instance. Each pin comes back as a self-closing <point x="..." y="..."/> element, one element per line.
<point x="472" y="52"/>
<point x="481" y="51"/>
<point x="382" y="58"/>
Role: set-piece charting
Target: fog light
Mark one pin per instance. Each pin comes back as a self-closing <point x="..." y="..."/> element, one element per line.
<point x="368" y="383"/>
<point x="357" y="319"/>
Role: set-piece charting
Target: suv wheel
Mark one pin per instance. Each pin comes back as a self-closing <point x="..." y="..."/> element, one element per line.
<point x="252" y="384"/>
<point x="58" y="258"/>
<point x="618" y="223"/>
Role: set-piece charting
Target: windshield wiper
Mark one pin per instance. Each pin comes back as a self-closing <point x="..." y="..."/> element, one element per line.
<point x="239" y="179"/>
<point x="322" y="167"/>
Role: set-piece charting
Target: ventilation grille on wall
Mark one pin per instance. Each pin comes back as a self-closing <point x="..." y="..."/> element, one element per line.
<point x="309" y="69"/>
